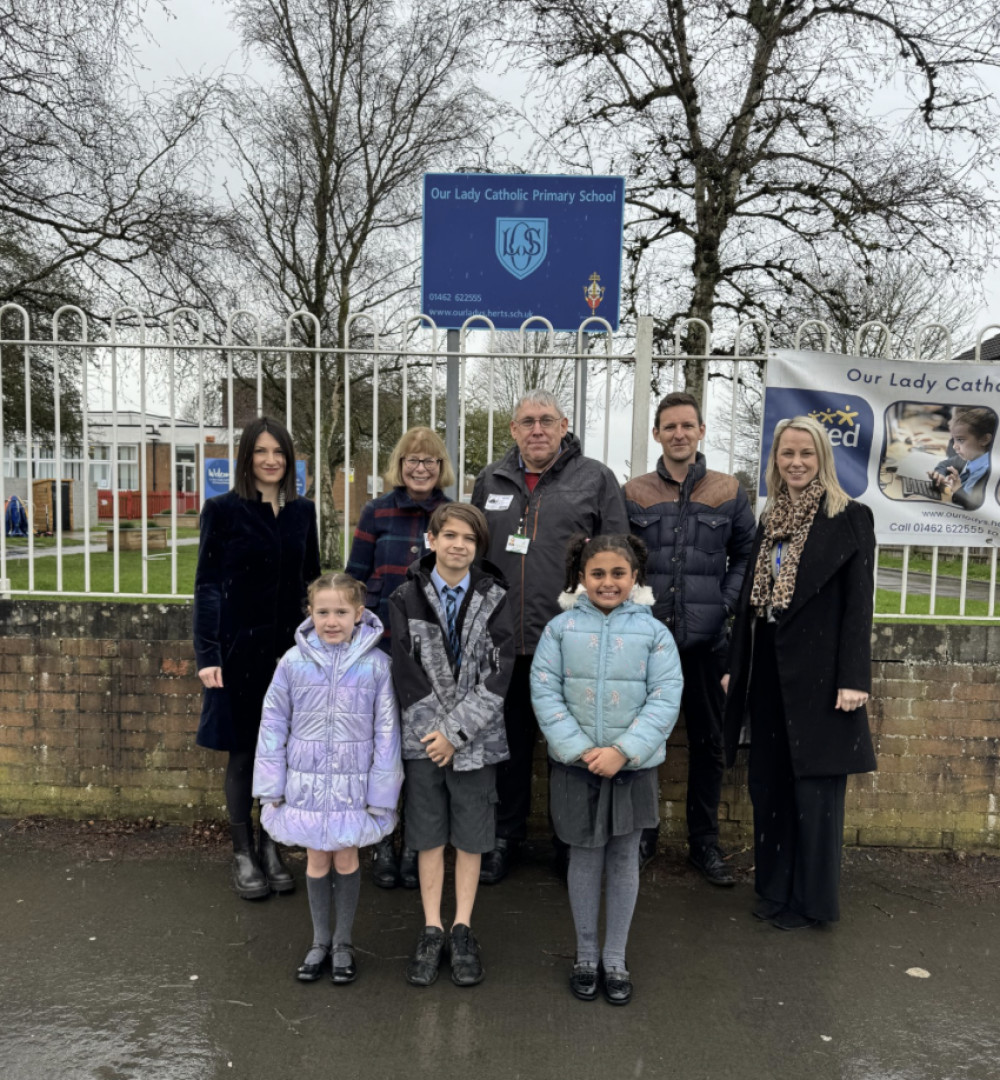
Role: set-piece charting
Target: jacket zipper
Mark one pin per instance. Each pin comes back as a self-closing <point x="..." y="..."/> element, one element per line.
<point x="329" y="727"/>
<point x="601" y="664"/>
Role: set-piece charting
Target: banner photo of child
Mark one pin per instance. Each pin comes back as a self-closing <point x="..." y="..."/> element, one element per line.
<point x="937" y="452"/>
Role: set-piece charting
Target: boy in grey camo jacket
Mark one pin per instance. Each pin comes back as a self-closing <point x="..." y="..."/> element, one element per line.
<point x="452" y="658"/>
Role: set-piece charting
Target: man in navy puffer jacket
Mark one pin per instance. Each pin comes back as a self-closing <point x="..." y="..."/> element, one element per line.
<point x="699" y="529"/>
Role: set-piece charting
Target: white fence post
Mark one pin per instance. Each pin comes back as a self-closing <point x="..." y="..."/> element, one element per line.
<point x="641" y="393"/>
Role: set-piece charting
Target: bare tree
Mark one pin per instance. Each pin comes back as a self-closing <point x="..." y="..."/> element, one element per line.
<point x="368" y="96"/>
<point x="917" y="310"/>
<point x="95" y="177"/>
<point x="751" y="136"/>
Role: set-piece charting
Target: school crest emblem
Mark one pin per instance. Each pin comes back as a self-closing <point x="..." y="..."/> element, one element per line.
<point x="522" y="244"/>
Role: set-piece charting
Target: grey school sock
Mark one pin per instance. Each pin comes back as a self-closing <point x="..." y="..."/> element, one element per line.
<point x="621" y="862"/>
<point x="320" y="890"/>
<point x="346" y="890"/>
<point x="586" y="866"/>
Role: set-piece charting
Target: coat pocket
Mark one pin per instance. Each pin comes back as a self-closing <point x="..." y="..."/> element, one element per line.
<point x="645" y="526"/>
<point x="712" y="532"/>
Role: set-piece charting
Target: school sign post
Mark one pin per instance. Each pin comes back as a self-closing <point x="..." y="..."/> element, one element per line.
<point x="513" y="247"/>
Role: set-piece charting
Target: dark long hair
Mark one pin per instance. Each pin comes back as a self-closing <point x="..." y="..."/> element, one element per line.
<point x="245" y="484"/>
<point x="581" y="549"/>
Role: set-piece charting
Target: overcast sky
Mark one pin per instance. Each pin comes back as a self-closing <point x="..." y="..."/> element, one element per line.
<point x="195" y="38"/>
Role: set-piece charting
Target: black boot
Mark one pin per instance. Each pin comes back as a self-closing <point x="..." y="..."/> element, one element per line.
<point x="279" y="877"/>
<point x="385" y="873"/>
<point x="409" y="873"/>
<point x="248" y="878"/>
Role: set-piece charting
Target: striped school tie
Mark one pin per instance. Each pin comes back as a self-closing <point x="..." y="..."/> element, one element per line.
<point x="451" y="605"/>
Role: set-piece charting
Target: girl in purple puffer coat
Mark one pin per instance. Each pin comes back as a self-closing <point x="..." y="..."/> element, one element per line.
<point x="328" y="768"/>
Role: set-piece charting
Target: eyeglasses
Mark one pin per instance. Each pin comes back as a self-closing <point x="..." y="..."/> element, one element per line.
<point x="547" y="422"/>
<point x="428" y="464"/>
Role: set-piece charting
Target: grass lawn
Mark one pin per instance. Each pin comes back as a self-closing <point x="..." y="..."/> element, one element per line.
<point x="101" y="572"/>
<point x="20" y="543"/>
<point x="887" y="603"/>
<point x="946" y="567"/>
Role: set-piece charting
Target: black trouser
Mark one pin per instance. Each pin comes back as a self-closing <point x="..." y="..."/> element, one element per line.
<point x="702" y="702"/>
<point x="514" y="775"/>
<point x="798" y="824"/>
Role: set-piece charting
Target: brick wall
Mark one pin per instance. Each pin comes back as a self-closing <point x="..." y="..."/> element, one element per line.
<point x="99" y="705"/>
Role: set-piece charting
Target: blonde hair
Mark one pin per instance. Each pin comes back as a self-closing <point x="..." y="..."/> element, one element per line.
<point x="419" y="440"/>
<point x="836" y="498"/>
<point x="353" y="590"/>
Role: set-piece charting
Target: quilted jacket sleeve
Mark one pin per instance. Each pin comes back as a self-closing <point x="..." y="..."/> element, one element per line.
<point x="655" y="720"/>
<point x="385" y="778"/>
<point x="276" y="721"/>
<point x="566" y="739"/>
<point x="208" y="588"/>
<point x="474" y="713"/>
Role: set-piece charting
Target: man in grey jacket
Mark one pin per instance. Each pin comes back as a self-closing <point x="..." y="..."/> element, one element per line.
<point x="541" y="492"/>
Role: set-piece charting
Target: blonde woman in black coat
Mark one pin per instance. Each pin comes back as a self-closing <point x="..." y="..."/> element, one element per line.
<point x="259" y="550"/>
<point x="800" y="666"/>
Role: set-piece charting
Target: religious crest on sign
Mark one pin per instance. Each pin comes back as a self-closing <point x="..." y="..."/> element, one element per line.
<point x="593" y="293"/>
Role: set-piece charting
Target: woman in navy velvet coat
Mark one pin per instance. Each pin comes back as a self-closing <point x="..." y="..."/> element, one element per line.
<point x="259" y="550"/>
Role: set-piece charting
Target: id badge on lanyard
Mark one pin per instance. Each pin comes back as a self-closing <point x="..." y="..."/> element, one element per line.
<point x="518" y="542"/>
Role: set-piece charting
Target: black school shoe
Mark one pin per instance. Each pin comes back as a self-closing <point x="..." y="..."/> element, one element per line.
<point x="341" y="973"/>
<point x="709" y="861"/>
<point x="422" y="970"/>
<point x="617" y="987"/>
<point x="584" y="981"/>
<point x="495" y="865"/>
<point x="466" y="967"/>
<point x="310" y="972"/>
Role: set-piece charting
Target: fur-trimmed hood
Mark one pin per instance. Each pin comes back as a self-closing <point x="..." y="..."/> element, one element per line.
<point x="640" y="594"/>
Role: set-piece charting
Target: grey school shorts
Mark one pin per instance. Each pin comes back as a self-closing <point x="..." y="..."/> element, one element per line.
<point x="443" y="806"/>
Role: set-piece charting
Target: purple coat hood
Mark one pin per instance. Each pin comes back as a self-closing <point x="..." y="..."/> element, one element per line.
<point x="328" y="750"/>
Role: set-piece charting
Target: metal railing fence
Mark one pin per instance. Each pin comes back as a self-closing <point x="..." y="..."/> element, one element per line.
<point x="346" y="405"/>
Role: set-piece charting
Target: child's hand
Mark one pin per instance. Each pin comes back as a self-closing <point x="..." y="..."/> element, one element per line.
<point x="604" y="760"/>
<point x="439" y="750"/>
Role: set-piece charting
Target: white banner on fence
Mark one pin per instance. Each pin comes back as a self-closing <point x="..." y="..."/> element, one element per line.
<point x="914" y="441"/>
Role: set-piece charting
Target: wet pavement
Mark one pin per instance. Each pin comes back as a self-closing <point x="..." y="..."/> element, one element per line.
<point x="118" y="967"/>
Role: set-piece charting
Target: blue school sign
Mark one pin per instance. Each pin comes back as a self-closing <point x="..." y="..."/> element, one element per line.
<point x="509" y="247"/>
<point x="217" y="476"/>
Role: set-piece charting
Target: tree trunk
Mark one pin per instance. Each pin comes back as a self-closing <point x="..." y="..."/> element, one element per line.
<point x="694" y="341"/>
<point x="331" y="551"/>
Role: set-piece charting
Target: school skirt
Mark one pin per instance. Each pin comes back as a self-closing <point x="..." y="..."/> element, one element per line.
<point x="587" y="810"/>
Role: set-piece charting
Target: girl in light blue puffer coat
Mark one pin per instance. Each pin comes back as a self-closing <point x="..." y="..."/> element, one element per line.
<point x="328" y="770"/>
<point x="606" y="688"/>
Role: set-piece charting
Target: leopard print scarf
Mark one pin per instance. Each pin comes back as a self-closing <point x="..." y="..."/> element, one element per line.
<point x="786" y="520"/>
